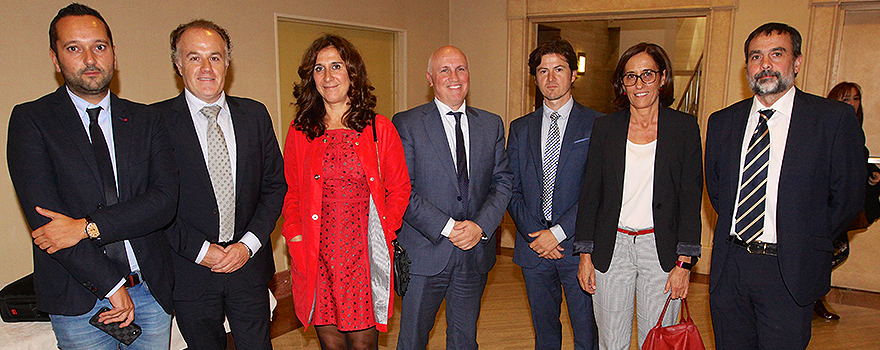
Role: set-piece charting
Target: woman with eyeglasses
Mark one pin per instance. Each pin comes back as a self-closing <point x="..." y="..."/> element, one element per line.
<point x="638" y="225"/>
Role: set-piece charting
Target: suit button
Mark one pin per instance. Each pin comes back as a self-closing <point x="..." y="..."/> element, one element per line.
<point x="317" y="177"/>
<point x="459" y="198"/>
<point x="325" y="140"/>
<point x="214" y="211"/>
<point x="383" y="217"/>
<point x="100" y="206"/>
<point x="314" y="216"/>
<point x="371" y="179"/>
<point x="357" y="143"/>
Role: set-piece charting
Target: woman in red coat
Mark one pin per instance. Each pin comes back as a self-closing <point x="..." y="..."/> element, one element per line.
<point x="348" y="188"/>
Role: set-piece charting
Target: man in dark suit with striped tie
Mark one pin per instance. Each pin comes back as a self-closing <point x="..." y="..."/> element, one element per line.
<point x="785" y="173"/>
<point x="548" y="152"/>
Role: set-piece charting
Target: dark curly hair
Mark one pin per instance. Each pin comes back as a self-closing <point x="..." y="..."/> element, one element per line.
<point x="667" y="90"/>
<point x="559" y="46"/>
<point x="309" y="103"/>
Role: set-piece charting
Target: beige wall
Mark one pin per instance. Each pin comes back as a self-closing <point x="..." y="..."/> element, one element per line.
<point x="140" y="31"/>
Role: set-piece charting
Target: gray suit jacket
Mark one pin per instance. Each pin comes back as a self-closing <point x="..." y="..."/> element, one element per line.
<point x="435" y="186"/>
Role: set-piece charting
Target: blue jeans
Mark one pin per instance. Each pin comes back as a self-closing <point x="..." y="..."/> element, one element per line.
<point x="75" y="332"/>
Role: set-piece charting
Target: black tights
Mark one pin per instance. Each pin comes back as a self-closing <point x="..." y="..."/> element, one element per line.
<point x="333" y="339"/>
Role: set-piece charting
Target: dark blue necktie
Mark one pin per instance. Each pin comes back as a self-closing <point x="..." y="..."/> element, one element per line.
<point x="115" y="250"/>
<point x="461" y="161"/>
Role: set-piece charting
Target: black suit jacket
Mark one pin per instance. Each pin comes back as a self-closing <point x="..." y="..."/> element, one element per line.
<point x="52" y="165"/>
<point x="821" y="187"/>
<point x="526" y="163"/>
<point x="435" y="186"/>
<point x="678" y="188"/>
<point x="259" y="193"/>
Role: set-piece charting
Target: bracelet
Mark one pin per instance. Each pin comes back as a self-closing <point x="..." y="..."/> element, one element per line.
<point x="684" y="265"/>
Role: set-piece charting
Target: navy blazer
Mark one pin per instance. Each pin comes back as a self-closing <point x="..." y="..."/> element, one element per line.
<point x="259" y="193"/>
<point x="821" y="187"/>
<point x="52" y="165"/>
<point x="678" y="188"/>
<point x="524" y="150"/>
<point x="435" y="185"/>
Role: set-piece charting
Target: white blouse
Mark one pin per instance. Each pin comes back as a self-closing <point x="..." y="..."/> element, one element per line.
<point x="638" y="187"/>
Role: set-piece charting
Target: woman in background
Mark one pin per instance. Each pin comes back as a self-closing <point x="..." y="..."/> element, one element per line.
<point x="348" y="188"/>
<point x="638" y="225"/>
<point x="851" y="93"/>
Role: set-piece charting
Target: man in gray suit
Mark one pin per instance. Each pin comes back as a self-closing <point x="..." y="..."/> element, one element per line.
<point x="460" y="188"/>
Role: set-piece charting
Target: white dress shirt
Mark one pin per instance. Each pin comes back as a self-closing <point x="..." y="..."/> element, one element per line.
<point x="449" y="128"/>
<point x="562" y="122"/>
<point x="105" y="121"/>
<point x="778" y="126"/>
<point x="224" y="119"/>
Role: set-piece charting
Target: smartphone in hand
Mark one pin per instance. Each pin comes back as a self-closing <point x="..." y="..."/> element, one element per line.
<point x="125" y="335"/>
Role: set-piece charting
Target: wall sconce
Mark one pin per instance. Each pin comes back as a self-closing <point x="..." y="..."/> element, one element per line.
<point x="582" y="63"/>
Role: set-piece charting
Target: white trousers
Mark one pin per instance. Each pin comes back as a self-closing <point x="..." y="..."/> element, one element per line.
<point x="634" y="274"/>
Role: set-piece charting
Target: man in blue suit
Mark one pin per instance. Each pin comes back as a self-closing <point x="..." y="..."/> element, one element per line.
<point x="548" y="152"/>
<point x="460" y="189"/>
<point x="785" y="172"/>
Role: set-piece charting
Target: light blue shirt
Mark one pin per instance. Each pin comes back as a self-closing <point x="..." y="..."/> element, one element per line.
<point x="562" y="122"/>
<point x="105" y="121"/>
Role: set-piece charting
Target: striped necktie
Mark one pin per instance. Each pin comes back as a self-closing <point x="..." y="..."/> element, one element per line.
<point x="551" y="160"/>
<point x="753" y="190"/>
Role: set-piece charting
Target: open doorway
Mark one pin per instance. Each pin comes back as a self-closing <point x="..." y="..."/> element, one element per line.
<point x="601" y="42"/>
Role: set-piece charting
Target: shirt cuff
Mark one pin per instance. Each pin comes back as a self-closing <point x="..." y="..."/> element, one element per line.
<point x="113" y="291"/>
<point x="689" y="249"/>
<point x="252" y="242"/>
<point x="583" y="247"/>
<point x="203" y="252"/>
<point x="448" y="228"/>
<point x="558" y="232"/>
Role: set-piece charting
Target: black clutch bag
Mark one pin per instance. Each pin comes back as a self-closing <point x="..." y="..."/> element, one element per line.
<point x="125" y="335"/>
<point x="401" y="269"/>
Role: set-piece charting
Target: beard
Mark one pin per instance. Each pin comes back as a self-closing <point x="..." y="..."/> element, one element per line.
<point x="782" y="83"/>
<point x="78" y="83"/>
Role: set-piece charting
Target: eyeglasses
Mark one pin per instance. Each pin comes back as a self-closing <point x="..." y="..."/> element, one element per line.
<point x="648" y="77"/>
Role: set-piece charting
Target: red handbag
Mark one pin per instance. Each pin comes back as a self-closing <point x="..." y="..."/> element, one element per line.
<point x="681" y="336"/>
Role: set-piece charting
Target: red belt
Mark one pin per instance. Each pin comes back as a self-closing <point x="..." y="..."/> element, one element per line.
<point x="635" y="233"/>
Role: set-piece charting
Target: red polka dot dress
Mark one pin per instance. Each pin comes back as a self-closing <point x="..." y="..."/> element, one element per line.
<point x="344" y="296"/>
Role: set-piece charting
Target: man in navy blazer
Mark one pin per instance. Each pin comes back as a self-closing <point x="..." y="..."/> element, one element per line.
<point x="460" y="189"/>
<point x="94" y="172"/>
<point x="548" y="162"/>
<point x="224" y="259"/>
<point x="769" y="270"/>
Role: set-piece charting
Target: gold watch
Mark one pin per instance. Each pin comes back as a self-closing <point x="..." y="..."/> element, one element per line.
<point x="92" y="229"/>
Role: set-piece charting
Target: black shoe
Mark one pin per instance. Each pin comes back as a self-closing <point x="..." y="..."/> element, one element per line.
<point x="821" y="311"/>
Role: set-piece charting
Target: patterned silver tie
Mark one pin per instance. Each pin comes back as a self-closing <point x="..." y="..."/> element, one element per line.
<point x="220" y="171"/>
<point x="753" y="190"/>
<point x="551" y="159"/>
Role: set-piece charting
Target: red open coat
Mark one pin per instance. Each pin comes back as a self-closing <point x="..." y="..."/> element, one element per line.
<point x="389" y="191"/>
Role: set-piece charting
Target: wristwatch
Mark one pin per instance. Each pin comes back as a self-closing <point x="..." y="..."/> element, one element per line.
<point x="684" y="265"/>
<point x="91" y="228"/>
